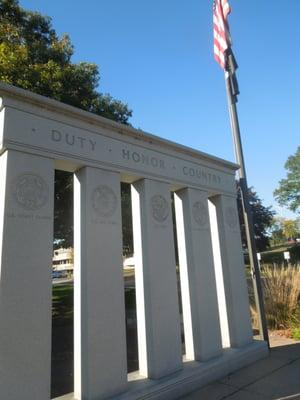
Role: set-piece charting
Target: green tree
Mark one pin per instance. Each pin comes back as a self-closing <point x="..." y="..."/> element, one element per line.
<point x="288" y="192"/>
<point x="63" y="209"/>
<point x="33" y="57"/>
<point x="262" y="220"/>
<point x="283" y="229"/>
<point x="290" y="228"/>
<point x="277" y="236"/>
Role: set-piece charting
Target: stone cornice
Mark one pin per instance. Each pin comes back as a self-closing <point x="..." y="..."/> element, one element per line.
<point x="10" y="93"/>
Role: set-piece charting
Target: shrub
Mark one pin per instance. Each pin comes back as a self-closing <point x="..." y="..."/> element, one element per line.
<point x="281" y="287"/>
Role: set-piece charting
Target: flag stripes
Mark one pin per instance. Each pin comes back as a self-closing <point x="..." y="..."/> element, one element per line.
<point x="222" y="40"/>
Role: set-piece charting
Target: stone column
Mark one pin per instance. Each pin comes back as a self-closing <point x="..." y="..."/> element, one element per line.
<point x="235" y="285"/>
<point x="26" y="247"/>
<point x="100" y="368"/>
<point x="156" y="283"/>
<point x="197" y="278"/>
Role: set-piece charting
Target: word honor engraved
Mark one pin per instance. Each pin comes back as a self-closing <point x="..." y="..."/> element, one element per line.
<point x="30" y="191"/>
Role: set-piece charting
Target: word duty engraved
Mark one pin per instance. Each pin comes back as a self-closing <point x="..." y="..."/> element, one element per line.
<point x="160" y="208"/>
<point x="200" y="213"/>
<point x="104" y="201"/>
<point x="30" y="191"/>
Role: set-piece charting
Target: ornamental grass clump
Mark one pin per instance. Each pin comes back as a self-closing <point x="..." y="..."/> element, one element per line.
<point x="282" y="296"/>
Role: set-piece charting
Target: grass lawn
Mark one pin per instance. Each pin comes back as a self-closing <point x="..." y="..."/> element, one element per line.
<point x="62" y="302"/>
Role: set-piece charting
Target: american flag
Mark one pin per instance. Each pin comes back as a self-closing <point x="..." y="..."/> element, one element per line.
<point x="222" y="40"/>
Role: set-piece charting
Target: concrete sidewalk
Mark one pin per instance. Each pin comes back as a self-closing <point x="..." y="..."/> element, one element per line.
<point x="273" y="378"/>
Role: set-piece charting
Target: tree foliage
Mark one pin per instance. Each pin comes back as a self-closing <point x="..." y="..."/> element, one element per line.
<point x="63" y="209"/>
<point x="262" y="220"/>
<point x="33" y="57"/>
<point x="284" y="229"/>
<point x="276" y="231"/>
<point x="288" y="192"/>
<point x="290" y="228"/>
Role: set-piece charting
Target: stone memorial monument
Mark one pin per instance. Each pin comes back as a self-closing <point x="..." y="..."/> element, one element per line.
<point x="39" y="135"/>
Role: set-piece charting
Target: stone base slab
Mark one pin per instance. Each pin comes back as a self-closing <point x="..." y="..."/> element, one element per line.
<point x="193" y="376"/>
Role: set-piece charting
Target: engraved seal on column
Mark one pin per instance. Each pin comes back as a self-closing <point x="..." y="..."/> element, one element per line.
<point x="231" y="217"/>
<point x="160" y="208"/>
<point x="30" y="191"/>
<point x="104" y="201"/>
<point x="200" y="213"/>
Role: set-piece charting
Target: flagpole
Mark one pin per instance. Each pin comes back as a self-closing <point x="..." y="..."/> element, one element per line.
<point x="247" y="214"/>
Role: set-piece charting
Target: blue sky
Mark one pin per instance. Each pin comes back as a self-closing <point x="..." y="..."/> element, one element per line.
<point x="157" y="57"/>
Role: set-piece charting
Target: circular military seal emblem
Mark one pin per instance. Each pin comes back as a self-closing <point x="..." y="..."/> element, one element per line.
<point x="160" y="208"/>
<point x="231" y="217"/>
<point x="104" y="201"/>
<point x="200" y="213"/>
<point x="30" y="191"/>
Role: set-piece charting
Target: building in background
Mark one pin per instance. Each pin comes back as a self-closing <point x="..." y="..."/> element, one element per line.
<point x="63" y="260"/>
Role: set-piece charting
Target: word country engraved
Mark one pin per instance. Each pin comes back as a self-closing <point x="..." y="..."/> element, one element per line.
<point x="160" y="208"/>
<point x="200" y="213"/>
<point x="104" y="201"/>
<point x="231" y="217"/>
<point x="30" y="191"/>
